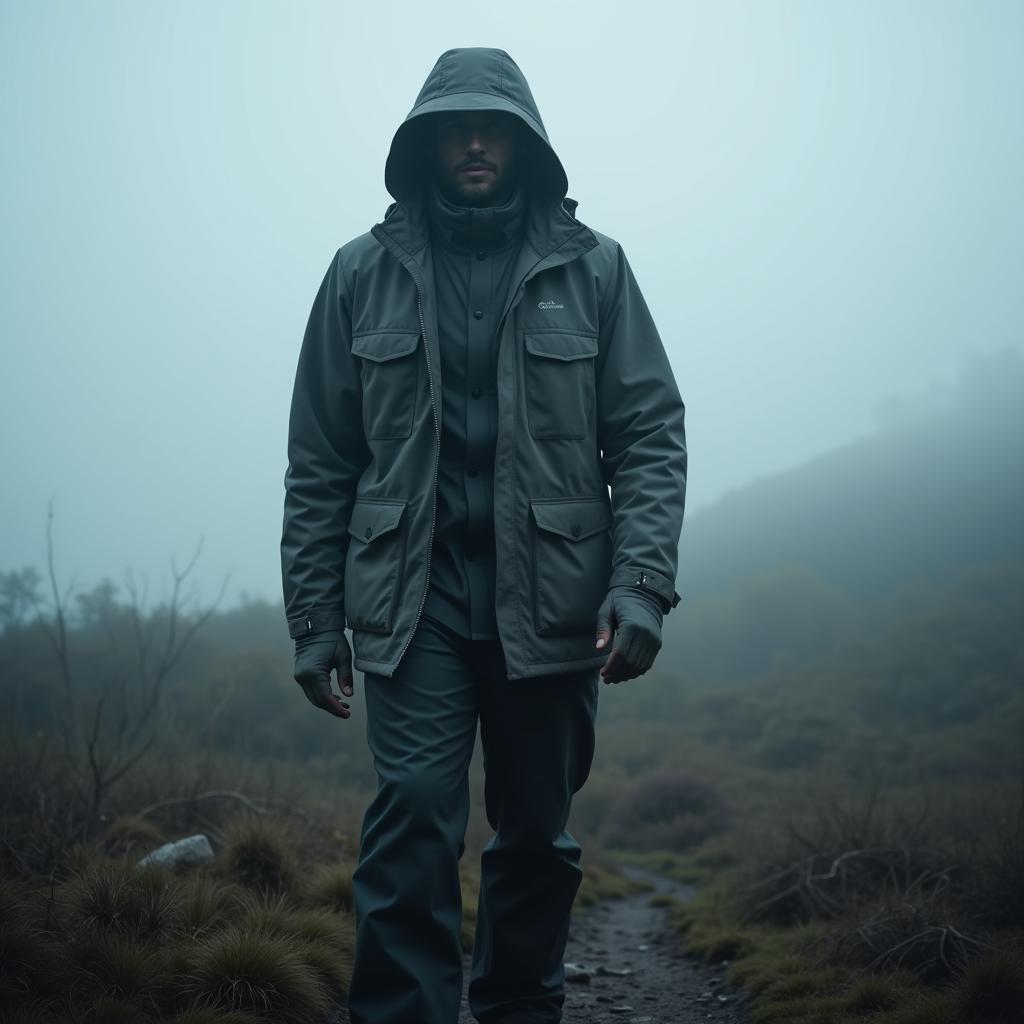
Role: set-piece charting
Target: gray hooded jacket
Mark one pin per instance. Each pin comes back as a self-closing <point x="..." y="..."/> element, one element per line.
<point x="591" y="460"/>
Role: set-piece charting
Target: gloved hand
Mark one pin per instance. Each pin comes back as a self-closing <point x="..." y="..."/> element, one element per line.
<point x="315" y="655"/>
<point x="635" y="617"/>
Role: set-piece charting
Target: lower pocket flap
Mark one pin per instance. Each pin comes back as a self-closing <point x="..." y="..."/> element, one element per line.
<point x="384" y="345"/>
<point x="373" y="517"/>
<point x="574" y="518"/>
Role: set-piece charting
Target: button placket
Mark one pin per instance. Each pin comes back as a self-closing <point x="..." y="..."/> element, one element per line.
<point x="477" y="434"/>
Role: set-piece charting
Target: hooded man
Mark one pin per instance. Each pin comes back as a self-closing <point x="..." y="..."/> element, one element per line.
<point x="486" y="480"/>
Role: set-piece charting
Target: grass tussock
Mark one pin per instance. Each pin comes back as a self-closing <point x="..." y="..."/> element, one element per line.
<point x="256" y="974"/>
<point x="991" y="990"/>
<point x="256" y="851"/>
<point x="113" y="942"/>
<point x="330" y="885"/>
<point x="111" y="894"/>
<point x="117" y="966"/>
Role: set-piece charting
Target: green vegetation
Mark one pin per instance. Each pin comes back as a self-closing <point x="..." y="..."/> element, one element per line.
<point x="871" y="866"/>
<point x="829" y="746"/>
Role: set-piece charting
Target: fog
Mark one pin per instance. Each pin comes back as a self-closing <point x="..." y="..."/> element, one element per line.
<point x="822" y="203"/>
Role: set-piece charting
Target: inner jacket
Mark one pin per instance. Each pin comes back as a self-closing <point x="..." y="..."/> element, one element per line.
<point x="590" y="460"/>
<point x="474" y="252"/>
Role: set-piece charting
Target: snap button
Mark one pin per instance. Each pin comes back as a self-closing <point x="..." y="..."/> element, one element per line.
<point x="369" y="530"/>
<point x="481" y="255"/>
<point x="478" y="314"/>
<point x="472" y="471"/>
<point x="575" y="529"/>
<point x="475" y="392"/>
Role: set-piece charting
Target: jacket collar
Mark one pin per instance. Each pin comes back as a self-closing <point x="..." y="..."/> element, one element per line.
<point x="550" y="230"/>
<point x="463" y="228"/>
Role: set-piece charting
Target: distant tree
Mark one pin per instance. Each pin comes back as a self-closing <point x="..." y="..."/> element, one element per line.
<point x="19" y="596"/>
<point x="124" y="720"/>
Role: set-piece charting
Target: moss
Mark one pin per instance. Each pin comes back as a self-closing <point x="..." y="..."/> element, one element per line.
<point x="925" y="1008"/>
<point x="717" y="944"/>
<point x="661" y="899"/>
<point x="872" y="995"/>
<point x="600" y="883"/>
<point x="807" y="1009"/>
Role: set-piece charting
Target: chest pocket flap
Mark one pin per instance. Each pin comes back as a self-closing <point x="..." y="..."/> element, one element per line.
<point x="384" y="345"/>
<point x="559" y="380"/>
<point x="390" y="375"/>
<point x="558" y="345"/>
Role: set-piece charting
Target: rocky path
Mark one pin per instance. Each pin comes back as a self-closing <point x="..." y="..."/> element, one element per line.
<point x="625" y="955"/>
<point x="623" y="967"/>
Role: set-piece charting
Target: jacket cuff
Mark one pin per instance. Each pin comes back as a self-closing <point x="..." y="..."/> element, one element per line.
<point x="649" y="580"/>
<point x="316" y="622"/>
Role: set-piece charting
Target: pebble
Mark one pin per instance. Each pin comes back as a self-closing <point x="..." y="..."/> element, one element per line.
<point x="576" y="974"/>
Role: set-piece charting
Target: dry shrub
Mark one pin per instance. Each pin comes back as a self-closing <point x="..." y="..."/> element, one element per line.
<point x="925" y="936"/>
<point x="129" y="836"/>
<point x="999" y="871"/>
<point x="666" y="810"/>
<point x="847" y="853"/>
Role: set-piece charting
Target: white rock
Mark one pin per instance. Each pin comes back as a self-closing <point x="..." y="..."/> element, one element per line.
<point x="192" y="850"/>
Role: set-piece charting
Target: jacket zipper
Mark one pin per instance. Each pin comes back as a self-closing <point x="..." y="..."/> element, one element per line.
<point x="437" y="453"/>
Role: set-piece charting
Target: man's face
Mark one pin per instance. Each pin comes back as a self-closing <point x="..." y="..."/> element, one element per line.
<point x="475" y="155"/>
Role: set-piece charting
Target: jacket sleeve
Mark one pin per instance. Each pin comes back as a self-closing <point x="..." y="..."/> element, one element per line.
<point x="642" y="439"/>
<point x="327" y="453"/>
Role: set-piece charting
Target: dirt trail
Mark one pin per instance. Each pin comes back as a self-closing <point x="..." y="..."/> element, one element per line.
<point x="629" y="935"/>
<point x="663" y="987"/>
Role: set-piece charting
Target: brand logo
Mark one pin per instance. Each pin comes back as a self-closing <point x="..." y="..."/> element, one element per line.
<point x="550" y="305"/>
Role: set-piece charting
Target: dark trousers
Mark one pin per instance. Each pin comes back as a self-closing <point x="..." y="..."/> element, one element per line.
<point x="538" y="745"/>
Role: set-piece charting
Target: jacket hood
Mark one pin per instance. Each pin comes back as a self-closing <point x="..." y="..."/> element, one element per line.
<point x="467" y="79"/>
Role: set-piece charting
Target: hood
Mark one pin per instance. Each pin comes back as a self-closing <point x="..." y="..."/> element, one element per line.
<point x="474" y="78"/>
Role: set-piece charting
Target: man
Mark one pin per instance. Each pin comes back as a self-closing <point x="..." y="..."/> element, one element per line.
<point x="476" y="372"/>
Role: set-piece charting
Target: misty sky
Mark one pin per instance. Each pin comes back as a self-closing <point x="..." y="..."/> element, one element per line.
<point x="821" y="201"/>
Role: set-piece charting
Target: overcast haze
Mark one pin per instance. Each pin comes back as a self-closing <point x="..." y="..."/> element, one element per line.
<point x="822" y="203"/>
